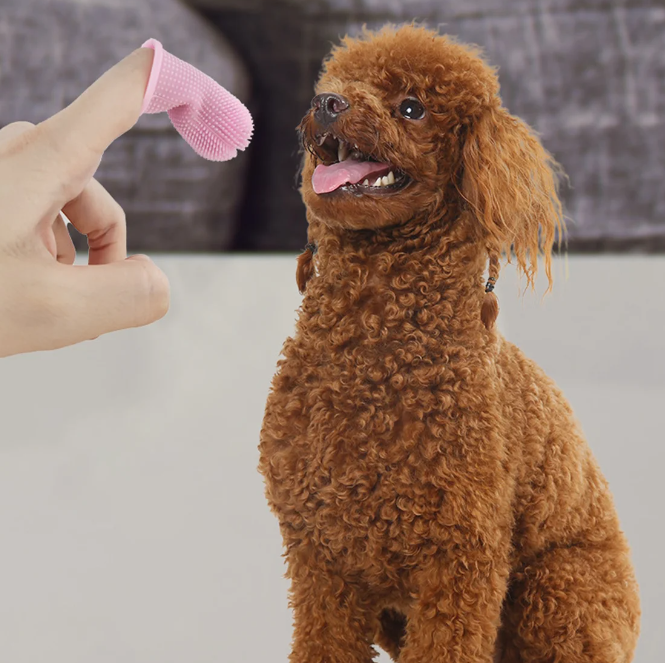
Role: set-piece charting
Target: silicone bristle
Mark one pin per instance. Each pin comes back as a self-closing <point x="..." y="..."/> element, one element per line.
<point x="214" y="122"/>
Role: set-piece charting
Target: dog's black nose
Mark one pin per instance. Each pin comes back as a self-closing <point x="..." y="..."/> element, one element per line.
<point x="328" y="106"/>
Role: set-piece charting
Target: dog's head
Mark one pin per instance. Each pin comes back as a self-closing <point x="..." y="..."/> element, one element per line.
<point x="405" y="122"/>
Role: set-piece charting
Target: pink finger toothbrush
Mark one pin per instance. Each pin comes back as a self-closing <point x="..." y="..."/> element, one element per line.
<point x="214" y="122"/>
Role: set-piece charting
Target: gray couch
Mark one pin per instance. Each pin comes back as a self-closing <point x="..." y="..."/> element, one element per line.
<point x="587" y="74"/>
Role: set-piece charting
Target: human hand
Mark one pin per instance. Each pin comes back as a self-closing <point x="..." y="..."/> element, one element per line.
<point x="46" y="302"/>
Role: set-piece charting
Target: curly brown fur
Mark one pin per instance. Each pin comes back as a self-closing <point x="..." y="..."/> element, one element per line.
<point x="434" y="492"/>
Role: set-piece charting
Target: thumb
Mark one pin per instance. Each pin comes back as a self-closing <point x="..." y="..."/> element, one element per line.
<point x="97" y="299"/>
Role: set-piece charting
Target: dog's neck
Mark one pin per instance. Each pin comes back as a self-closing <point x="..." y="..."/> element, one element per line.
<point x="433" y="263"/>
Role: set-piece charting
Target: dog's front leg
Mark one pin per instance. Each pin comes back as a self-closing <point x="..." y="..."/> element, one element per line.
<point x="330" y="621"/>
<point x="456" y="613"/>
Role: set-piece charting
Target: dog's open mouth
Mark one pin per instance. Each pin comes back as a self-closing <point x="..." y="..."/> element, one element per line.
<point x="345" y="167"/>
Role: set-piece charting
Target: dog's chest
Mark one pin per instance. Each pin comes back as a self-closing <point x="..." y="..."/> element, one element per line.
<point x="360" y="498"/>
<point x="349" y="468"/>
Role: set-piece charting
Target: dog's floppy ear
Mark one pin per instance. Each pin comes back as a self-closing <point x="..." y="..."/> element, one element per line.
<point x="510" y="182"/>
<point x="305" y="268"/>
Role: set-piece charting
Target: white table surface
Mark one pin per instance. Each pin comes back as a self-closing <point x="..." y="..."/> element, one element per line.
<point x="134" y="526"/>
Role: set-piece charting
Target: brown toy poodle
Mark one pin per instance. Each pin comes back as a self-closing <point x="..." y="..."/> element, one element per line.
<point x="434" y="491"/>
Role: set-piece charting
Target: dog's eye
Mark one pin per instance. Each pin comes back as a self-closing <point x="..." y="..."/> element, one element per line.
<point x="412" y="109"/>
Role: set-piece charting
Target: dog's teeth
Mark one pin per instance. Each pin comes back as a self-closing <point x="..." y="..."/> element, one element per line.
<point x="377" y="183"/>
<point x="342" y="151"/>
<point x="391" y="177"/>
<point x="366" y="183"/>
<point x="385" y="181"/>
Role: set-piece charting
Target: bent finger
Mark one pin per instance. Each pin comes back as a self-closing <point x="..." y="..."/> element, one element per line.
<point x="14" y="129"/>
<point x="97" y="299"/>
<point x="96" y="214"/>
<point x="64" y="246"/>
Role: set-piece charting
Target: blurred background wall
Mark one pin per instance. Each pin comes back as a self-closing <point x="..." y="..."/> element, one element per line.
<point x="587" y="74"/>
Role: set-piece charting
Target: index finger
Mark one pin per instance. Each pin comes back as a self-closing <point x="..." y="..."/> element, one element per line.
<point x="77" y="136"/>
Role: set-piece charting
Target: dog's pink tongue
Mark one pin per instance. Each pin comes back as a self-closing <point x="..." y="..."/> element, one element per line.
<point x="329" y="178"/>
